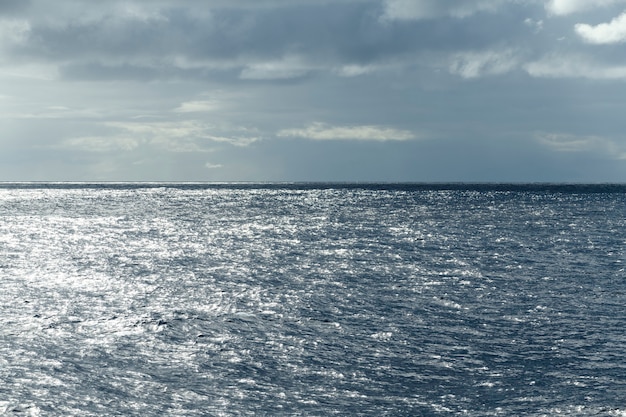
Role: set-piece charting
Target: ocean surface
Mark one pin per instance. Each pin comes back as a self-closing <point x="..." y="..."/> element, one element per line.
<point x="312" y="299"/>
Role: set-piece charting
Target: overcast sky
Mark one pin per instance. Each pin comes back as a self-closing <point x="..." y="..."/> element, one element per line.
<point x="313" y="90"/>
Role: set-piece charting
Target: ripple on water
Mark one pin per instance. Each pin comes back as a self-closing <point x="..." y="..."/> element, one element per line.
<point x="285" y="301"/>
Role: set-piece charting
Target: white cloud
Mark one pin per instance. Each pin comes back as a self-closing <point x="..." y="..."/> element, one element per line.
<point x="604" y="33"/>
<point x="321" y="131"/>
<point x="33" y="71"/>
<point x="354" y="70"/>
<point x="565" y="142"/>
<point x="427" y="9"/>
<point x="184" y="136"/>
<point x="536" y="25"/>
<point x="54" y="112"/>
<point x="13" y="31"/>
<point x="102" y="143"/>
<point x="565" y="7"/>
<point x="209" y="165"/>
<point x="574" y="66"/>
<point x="477" y="64"/>
<point x="197" y="106"/>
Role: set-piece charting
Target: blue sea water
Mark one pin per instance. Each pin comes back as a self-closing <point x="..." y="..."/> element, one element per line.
<point x="312" y="299"/>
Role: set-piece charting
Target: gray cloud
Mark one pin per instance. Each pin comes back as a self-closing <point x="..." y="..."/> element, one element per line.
<point x="285" y="41"/>
<point x="312" y="89"/>
<point x="428" y="9"/>
<point x="13" y="7"/>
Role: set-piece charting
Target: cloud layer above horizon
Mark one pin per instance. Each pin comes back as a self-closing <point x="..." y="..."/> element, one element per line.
<point x="313" y="90"/>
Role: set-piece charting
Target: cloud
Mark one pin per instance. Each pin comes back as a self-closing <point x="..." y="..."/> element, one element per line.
<point x="13" y="31"/>
<point x="321" y="131"/>
<point x="536" y="25"/>
<point x="54" y="112"/>
<point x="197" y="106"/>
<point x="164" y="40"/>
<point x="427" y="9"/>
<point x="80" y="77"/>
<point x="565" y="142"/>
<point x="604" y="33"/>
<point x="182" y="136"/>
<point x="565" y="7"/>
<point x="287" y="68"/>
<point x="281" y="40"/>
<point x="574" y="66"/>
<point x="102" y="143"/>
<point x="355" y="70"/>
<point x="478" y="64"/>
<point x="189" y="136"/>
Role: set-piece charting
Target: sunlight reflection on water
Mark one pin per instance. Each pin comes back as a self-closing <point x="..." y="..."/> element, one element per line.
<point x="286" y="301"/>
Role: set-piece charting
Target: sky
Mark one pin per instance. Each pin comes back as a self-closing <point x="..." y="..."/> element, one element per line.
<point x="313" y="90"/>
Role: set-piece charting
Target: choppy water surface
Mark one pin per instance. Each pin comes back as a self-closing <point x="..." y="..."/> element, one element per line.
<point x="206" y="300"/>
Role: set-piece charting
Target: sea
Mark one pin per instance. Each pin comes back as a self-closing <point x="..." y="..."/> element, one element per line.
<point x="300" y="299"/>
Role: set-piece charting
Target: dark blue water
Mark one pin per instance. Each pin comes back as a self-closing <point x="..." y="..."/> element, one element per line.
<point x="312" y="299"/>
